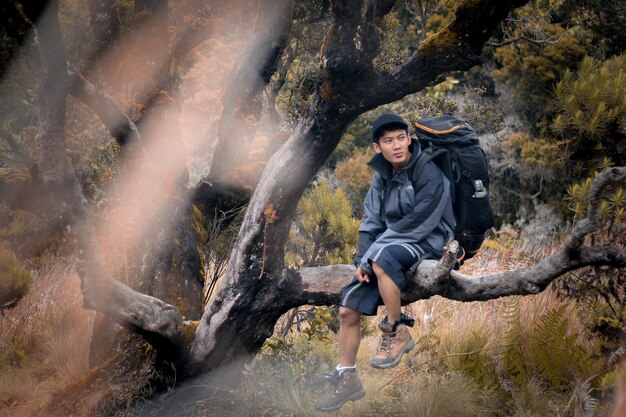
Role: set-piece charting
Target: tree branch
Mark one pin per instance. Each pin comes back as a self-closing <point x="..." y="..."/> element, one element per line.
<point x="525" y="39"/>
<point x="594" y="212"/>
<point x="158" y="322"/>
<point x="242" y="100"/>
<point x="528" y="29"/>
<point x="322" y="285"/>
<point x="456" y="47"/>
<point x="121" y="128"/>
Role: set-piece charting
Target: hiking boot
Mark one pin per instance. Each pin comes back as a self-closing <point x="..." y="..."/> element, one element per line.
<point x="392" y="347"/>
<point x="387" y="327"/>
<point x="344" y="386"/>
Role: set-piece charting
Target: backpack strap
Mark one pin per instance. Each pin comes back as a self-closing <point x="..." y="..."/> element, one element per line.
<point x="442" y="158"/>
<point x="426" y="156"/>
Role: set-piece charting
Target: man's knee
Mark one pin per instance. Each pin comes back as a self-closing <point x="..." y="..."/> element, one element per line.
<point x="348" y="316"/>
<point x="378" y="270"/>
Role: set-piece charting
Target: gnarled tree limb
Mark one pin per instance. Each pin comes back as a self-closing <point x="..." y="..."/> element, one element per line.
<point x="456" y="47"/>
<point x="159" y="323"/>
<point x="319" y="285"/>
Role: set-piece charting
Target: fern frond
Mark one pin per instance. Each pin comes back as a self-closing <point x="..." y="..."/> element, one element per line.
<point x="555" y="352"/>
<point x="584" y="402"/>
<point x="513" y="363"/>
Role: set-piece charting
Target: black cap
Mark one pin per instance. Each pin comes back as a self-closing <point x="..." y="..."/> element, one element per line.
<point x="387" y="119"/>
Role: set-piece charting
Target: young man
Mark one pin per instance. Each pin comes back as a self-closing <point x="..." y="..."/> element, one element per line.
<point x="403" y="224"/>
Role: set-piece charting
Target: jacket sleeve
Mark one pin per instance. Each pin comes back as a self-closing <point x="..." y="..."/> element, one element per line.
<point x="432" y="197"/>
<point x="371" y="225"/>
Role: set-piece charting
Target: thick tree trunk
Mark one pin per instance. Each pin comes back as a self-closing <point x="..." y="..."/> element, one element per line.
<point x="244" y="312"/>
<point x="54" y="169"/>
<point x="247" y="307"/>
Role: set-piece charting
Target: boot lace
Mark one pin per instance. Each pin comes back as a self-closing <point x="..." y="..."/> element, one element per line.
<point x="386" y="342"/>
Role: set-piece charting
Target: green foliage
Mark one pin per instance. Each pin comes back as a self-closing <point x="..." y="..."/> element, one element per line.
<point x="556" y="353"/>
<point x="613" y="205"/>
<point x="392" y="51"/>
<point x="298" y="69"/>
<point x="587" y="122"/>
<point x="282" y="375"/>
<point x="547" y="350"/>
<point x="28" y="233"/>
<point x="96" y="169"/>
<point x="434" y="103"/>
<point x="598" y="289"/>
<point x="480" y="113"/>
<point x="530" y="70"/>
<point x="14" y="281"/>
<point x="531" y="400"/>
<point x="217" y="232"/>
<point x="12" y="355"/>
<point x="324" y="231"/>
<point x="592" y="109"/>
<point x="539" y="153"/>
<point x="602" y="23"/>
<point x="442" y="17"/>
<point x="93" y="153"/>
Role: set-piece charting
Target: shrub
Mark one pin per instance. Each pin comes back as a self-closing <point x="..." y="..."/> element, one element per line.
<point x="592" y="111"/>
<point x="355" y="176"/>
<point x="14" y="281"/>
<point x="324" y="231"/>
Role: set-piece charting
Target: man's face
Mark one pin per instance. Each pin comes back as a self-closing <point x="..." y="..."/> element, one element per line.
<point x="394" y="145"/>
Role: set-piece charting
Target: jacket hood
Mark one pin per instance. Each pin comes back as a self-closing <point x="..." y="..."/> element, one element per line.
<point x="379" y="164"/>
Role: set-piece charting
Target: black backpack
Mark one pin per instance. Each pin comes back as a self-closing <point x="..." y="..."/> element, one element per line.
<point x="455" y="148"/>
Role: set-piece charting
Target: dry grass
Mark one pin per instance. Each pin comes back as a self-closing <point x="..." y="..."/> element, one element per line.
<point x="424" y="384"/>
<point x="44" y="341"/>
<point x="44" y="346"/>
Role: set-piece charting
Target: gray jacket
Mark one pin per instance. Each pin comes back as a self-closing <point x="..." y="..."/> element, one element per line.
<point x="423" y="216"/>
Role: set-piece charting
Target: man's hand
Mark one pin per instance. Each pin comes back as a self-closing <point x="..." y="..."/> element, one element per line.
<point x="361" y="275"/>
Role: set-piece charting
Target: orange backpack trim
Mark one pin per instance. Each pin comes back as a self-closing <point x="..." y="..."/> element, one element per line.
<point x="437" y="132"/>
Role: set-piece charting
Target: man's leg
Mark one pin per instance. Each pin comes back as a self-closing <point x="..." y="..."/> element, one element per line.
<point x="389" y="292"/>
<point x="389" y="269"/>
<point x="345" y="385"/>
<point x="349" y="336"/>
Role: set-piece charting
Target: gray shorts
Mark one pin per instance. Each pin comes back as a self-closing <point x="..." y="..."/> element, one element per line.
<point x="395" y="260"/>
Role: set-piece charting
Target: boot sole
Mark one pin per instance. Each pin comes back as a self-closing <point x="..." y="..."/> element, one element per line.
<point x="395" y="362"/>
<point x="356" y="396"/>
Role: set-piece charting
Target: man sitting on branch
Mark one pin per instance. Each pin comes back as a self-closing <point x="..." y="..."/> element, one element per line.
<point x="404" y="223"/>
